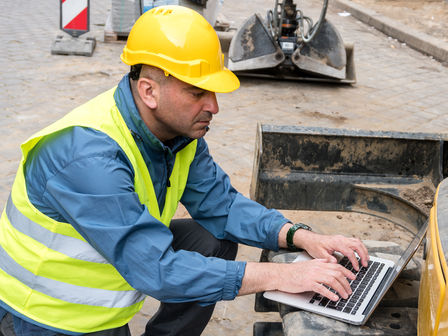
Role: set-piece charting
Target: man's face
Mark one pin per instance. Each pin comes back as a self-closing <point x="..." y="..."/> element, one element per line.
<point x="184" y="110"/>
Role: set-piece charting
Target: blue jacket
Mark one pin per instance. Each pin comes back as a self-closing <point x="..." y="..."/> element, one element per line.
<point x="81" y="176"/>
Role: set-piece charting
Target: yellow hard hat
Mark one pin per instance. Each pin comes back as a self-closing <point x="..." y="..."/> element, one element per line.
<point x="181" y="42"/>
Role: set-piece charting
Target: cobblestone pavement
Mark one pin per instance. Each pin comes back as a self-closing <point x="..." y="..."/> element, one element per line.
<point x="397" y="89"/>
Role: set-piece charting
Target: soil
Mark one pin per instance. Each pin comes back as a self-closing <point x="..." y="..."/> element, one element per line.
<point x="422" y="197"/>
<point x="429" y="17"/>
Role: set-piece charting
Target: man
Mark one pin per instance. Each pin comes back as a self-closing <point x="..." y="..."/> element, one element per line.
<point x="87" y="232"/>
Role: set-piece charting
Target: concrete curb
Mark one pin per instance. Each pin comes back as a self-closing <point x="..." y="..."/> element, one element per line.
<point x="414" y="39"/>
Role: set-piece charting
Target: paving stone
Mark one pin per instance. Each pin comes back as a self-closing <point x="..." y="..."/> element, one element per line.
<point x="397" y="88"/>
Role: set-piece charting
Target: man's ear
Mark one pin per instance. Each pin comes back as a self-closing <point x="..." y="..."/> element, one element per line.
<point x="148" y="91"/>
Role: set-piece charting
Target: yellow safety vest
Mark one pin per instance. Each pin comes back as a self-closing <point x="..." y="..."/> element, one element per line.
<point x="48" y="271"/>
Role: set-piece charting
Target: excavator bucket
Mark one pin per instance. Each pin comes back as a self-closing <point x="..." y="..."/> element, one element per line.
<point x="254" y="52"/>
<point x="390" y="176"/>
<point x="324" y="55"/>
<point x="253" y="48"/>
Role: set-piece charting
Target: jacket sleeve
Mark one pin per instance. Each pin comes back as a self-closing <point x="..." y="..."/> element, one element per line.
<point x="89" y="184"/>
<point x="215" y="204"/>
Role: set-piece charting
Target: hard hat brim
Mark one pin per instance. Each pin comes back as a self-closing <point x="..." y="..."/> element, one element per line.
<point x="221" y="81"/>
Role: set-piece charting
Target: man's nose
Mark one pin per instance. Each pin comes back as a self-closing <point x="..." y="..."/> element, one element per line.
<point x="211" y="103"/>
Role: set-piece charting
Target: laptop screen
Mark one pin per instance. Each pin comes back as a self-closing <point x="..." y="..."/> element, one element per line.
<point x="410" y="250"/>
<point x="399" y="266"/>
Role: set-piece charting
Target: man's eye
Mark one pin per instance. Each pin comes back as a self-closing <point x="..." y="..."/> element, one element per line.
<point x="198" y="94"/>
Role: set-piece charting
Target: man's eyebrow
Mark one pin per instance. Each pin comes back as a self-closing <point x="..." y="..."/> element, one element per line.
<point x="194" y="88"/>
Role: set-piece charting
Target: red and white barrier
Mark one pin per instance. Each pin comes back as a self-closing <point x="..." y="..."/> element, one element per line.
<point x="75" y="16"/>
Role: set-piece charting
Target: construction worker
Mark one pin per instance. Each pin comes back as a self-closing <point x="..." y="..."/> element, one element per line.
<point x="87" y="231"/>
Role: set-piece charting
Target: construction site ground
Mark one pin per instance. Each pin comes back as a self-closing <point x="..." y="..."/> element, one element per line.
<point x="397" y="89"/>
<point x="429" y="17"/>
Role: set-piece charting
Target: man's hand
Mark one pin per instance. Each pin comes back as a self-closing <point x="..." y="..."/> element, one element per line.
<point x="312" y="275"/>
<point x="324" y="247"/>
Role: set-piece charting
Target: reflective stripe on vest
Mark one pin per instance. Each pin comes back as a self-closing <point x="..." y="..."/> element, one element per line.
<point x="68" y="292"/>
<point x="48" y="271"/>
<point x="71" y="247"/>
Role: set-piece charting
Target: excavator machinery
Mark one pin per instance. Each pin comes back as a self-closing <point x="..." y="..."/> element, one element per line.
<point x="397" y="178"/>
<point x="286" y="44"/>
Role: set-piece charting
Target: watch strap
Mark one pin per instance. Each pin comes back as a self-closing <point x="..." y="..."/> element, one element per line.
<point x="290" y="234"/>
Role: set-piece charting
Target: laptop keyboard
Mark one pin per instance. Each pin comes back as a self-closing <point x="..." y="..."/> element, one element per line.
<point x="365" y="277"/>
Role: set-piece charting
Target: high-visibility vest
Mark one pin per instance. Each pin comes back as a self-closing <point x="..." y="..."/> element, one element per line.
<point x="48" y="271"/>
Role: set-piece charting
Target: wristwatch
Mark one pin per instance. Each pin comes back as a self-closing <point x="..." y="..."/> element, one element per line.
<point x="290" y="235"/>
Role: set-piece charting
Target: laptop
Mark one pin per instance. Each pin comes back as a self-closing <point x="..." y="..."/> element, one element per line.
<point x="369" y="287"/>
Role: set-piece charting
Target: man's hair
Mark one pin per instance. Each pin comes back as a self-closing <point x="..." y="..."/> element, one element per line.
<point x="134" y="73"/>
<point x="140" y="70"/>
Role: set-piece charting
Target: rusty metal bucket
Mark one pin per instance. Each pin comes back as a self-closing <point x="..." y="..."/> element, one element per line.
<point x="254" y="52"/>
<point x="381" y="174"/>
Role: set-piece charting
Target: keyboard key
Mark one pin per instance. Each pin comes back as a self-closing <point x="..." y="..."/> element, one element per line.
<point x="324" y="302"/>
